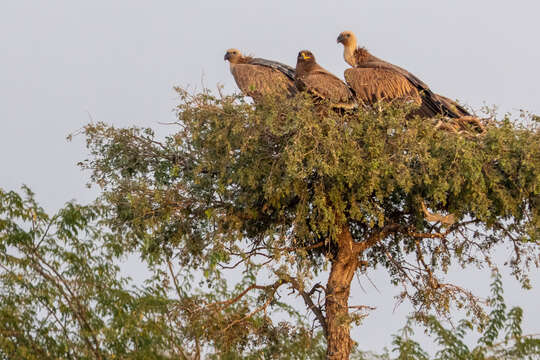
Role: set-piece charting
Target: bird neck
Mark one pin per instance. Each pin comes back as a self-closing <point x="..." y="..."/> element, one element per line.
<point x="348" y="54"/>
<point x="245" y="60"/>
<point x="305" y="68"/>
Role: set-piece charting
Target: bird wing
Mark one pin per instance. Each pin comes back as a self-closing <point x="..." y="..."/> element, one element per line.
<point x="285" y="69"/>
<point x="377" y="63"/>
<point x="454" y="106"/>
<point x="258" y="81"/>
<point x="432" y="104"/>
<point x="374" y="84"/>
<point x="327" y="86"/>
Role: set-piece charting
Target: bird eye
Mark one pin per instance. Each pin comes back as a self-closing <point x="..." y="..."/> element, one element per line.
<point x="348" y="35"/>
<point x="234" y="52"/>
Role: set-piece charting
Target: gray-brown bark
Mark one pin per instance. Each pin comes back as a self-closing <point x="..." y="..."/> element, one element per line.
<point x="338" y="289"/>
<point x="337" y="298"/>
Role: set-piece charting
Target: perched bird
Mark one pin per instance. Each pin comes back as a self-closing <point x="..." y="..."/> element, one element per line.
<point x="373" y="80"/>
<point x="258" y="78"/>
<point x="322" y="84"/>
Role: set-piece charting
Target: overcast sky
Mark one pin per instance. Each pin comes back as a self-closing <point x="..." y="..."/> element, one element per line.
<point x="63" y="63"/>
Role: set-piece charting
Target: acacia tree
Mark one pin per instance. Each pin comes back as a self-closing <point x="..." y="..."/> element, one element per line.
<point x="282" y="194"/>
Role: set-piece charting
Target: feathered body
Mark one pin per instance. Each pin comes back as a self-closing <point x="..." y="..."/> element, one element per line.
<point x="321" y="84"/>
<point x="258" y="78"/>
<point x="373" y="80"/>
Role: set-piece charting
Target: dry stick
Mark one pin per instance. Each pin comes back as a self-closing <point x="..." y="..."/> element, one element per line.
<point x="433" y="217"/>
<point x="262" y="307"/>
<point x="507" y="232"/>
<point x="372" y="283"/>
<point x="362" y="307"/>
<point x="275" y="287"/>
<point x="428" y="235"/>
<point x="229" y="302"/>
<point x="399" y="267"/>
<point x="472" y="298"/>
<point x="175" y="280"/>
<point x="432" y="280"/>
<point x="289" y="249"/>
<point x="462" y="126"/>
<point x="233" y="266"/>
<point x="256" y="251"/>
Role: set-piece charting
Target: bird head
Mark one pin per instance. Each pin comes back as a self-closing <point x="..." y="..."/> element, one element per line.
<point x="305" y="56"/>
<point x="347" y="38"/>
<point x="233" y="55"/>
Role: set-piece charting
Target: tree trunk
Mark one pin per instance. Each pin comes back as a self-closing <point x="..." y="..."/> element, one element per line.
<point x="337" y="298"/>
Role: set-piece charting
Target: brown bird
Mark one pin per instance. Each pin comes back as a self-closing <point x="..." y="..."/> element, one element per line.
<point x="260" y="77"/>
<point x="373" y="80"/>
<point x="322" y="84"/>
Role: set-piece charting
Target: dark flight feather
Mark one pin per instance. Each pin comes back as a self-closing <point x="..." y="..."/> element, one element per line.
<point x="374" y="79"/>
<point x="285" y="69"/>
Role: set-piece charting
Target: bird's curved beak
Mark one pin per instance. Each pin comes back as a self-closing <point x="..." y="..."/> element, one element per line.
<point x="340" y="38"/>
<point x="227" y="56"/>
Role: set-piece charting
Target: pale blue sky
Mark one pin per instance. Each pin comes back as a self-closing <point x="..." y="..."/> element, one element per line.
<point x="118" y="61"/>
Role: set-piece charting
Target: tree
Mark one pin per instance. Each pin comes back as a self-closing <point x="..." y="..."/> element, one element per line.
<point x="281" y="192"/>
<point x="490" y="345"/>
<point x="63" y="296"/>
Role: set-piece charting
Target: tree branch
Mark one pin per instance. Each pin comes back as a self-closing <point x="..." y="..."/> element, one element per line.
<point x="376" y="237"/>
<point x="275" y="286"/>
<point x="309" y="302"/>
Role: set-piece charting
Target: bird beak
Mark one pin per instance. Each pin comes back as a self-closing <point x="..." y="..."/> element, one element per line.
<point x="340" y="39"/>
<point x="305" y="57"/>
<point x="227" y="56"/>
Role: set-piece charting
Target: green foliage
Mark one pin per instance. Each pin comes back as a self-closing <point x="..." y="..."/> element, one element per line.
<point x="245" y="171"/>
<point x="62" y="296"/>
<point x="284" y="178"/>
<point x="492" y="344"/>
<point x="262" y="193"/>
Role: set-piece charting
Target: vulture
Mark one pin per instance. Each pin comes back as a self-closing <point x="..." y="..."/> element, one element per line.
<point x="321" y="84"/>
<point x="258" y="78"/>
<point x="373" y="80"/>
